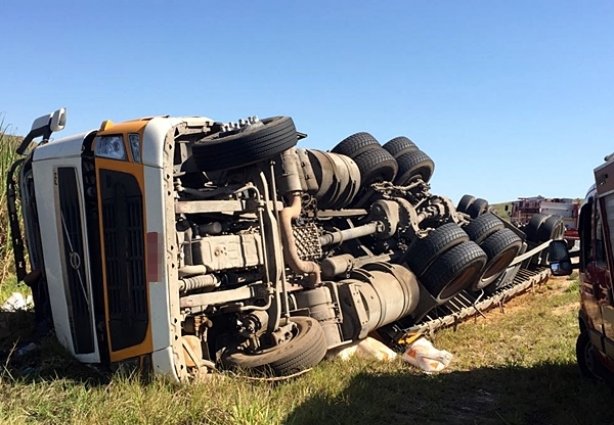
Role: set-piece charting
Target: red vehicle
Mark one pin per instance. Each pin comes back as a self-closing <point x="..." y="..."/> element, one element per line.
<point x="595" y="344"/>
<point x="524" y="209"/>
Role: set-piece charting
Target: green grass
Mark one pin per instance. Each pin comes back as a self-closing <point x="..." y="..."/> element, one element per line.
<point x="8" y="155"/>
<point x="8" y="282"/>
<point x="514" y="367"/>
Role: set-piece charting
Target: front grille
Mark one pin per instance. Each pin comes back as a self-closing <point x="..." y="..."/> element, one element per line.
<point x="77" y="289"/>
<point x="122" y="220"/>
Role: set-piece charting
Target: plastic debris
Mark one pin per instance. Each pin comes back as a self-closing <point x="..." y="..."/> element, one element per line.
<point x="368" y="348"/>
<point x="422" y="354"/>
<point x="17" y="302"/>
<point x="27" y="349"/>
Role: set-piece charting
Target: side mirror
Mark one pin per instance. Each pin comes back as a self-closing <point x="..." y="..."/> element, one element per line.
<point x="58" y="120"/>
<point x="43" y="127"/>
<point x="558" y="258"/>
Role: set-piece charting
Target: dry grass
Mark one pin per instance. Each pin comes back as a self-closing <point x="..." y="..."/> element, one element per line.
<point x="8" y="155"/>
<point x="515" y="367"/>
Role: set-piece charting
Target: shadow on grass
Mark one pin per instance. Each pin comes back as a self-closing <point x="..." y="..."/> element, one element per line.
<point x="44" y="361"/>
<point x="545" y="394"/>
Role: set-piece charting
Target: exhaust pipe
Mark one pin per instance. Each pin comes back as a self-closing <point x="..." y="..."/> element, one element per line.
<point x="288" y="214"/>
<point x="290" y="186"/>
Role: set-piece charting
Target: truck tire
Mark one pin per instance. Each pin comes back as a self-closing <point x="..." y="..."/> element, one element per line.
<point x="424" y="251"/>
<point x="482" y="227"/>
<point x="322" y="168"/>
<point x="306" y="349"/>
<point x="587" y="361"/>
<point x="478" y="207"/>
<point x="341" y="179"/>
<point x="501" y="248"/>
<point x="376" y="165"/>
<point x="399" y="146"/>
<point x="464" y="203"/>
<point x="454" y="271"/>
<point x="551" y="228"/>
<point x="412" y="165"/>
<point x="532" y="228"/>
<point x="356" y="144"/>
<point x="353" y="186"/>
<point x="246" y="147"/>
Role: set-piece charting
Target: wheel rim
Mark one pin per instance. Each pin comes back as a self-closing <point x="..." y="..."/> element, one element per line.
<point x="296" y="331"/>
<point x="499" y="263"/>
<point x="460" y="282"/>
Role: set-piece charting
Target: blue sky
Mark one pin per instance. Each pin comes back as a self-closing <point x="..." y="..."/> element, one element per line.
<point x="509" y="98"/>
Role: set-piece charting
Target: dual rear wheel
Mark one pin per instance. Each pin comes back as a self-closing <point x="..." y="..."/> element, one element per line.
<point x="500" y="244"/>
<point x="451" y="259"/>
<point x="473" y="206"/>
<point x="446" y="261"/>
<point x="542" y="228"/>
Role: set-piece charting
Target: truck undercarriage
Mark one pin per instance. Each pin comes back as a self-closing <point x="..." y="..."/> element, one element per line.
<point x="181" y="244"/>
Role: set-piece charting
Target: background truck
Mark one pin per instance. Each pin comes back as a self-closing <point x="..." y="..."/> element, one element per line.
<point x="523" y="210"/>
<point x="180" y="244"/>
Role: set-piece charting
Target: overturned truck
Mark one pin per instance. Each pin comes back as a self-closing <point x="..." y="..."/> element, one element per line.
<point x="181" y="244"/>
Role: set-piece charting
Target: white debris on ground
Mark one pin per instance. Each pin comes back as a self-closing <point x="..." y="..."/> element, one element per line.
<point x="422" y="354"/>
<point x="368" y="348"/>
<point x="17" y="301"/>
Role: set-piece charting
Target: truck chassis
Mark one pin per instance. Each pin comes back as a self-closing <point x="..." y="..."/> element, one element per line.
<point x="180" y="244"/>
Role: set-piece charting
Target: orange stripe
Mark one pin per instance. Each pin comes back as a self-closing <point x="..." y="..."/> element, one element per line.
<point x="136" y="170"/>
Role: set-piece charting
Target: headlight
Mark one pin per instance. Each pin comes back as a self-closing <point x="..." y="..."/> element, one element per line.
<point x="110" y="147"/>
<point x="135" y="147"/>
